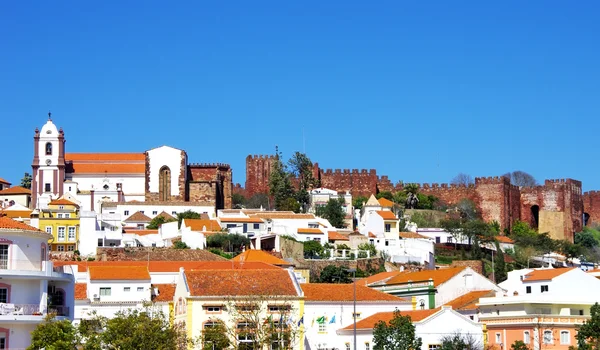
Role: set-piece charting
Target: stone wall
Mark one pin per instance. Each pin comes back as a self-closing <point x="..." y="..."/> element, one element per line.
<point x="210" y="183"/>
<point x="476" y="265"/>
<point x="591" y="205"/>
<point x="258" y="172"/>
<point x="155" y="254"/>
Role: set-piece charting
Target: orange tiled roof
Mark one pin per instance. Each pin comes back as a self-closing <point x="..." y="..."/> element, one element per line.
<point x="385" y="203"/>
<point x="281" y="215"/>
<point x="261" y="256"/>
<point x="380" y="277"/>
<point x="166" y="216"/>
<point x="104" y="156"/>
<point x="80" y="291"/>
<point x="371" y="321"/>
<point x="545" y="274"/>
<point x="242" y="220"/>
<point x="62" y="201"/>
<point x="469" y="301"/>
<point x="171" y="266"/>
<point x="372" y="235"/>
<point x="138" y="216"/>
<point x="16" y="214"/>
<point x="439" y="276"/>
<point x="77" y="168"/>
<point x="504" y="239"/>
<point x="240" y="282"/>
<point x="140" y="232"/>
<point x="119" y="273"/>
<point x="309" y="231"/>
<point x="412" y="235"/>
<point x="165" y="292"/>
<point x="344" y="292"/>
<point x="4" y="181"/>
<point x="15" y="190"/>
<point x="10" y="224"/>
<point x="202" y="224"/>
<point x="387" y="215"/>
<point x="336" y="236"/>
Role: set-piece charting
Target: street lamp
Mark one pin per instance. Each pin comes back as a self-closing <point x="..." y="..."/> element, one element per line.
<point x="354" y="302"/>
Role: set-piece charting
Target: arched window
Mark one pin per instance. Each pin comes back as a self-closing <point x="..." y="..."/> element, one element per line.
<point x="48" y="149"/>
<point x="164" y="183"/>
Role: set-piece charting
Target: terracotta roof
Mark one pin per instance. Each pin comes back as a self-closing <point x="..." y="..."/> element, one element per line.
<point x="104" y="156"/>
<point x="344" y="292"/>
<point x="281" y="215"/>
<point x="119" y="273"/>
<point x="170" y="266"/>
<point x="336" y="236"/>
<point x="253" y="255"/>
<point x="4" y="181"/>
<point x="372" y="235"/>
<point x="202" y="224"/>
<point x="241" y="282"/>
<point x="165" y="292"/>
<point x="504" y="239"/>
<point x="380" y="277"/>
<point x="15" y="190"/>
<point x="545" y="274"/>
<point x="310" y="231"/>
<point x="387" y="215"/>
<point x="439" y="276"/>
<point x="371" y="321"/>
<point x="412" y="235"/>
<point x="80" y="291"/>
<point x="15" y="214"/>
<point x="385" y="203"/>
<point x="242" y="220"/>
<point x="77" y="168"/>
<point x="166" y="216"/>
<point x="469" y="301"/>
<point x="138" y="216"/>
<point x="62" y="201"/>
<point x="140" y="232"/>
<point x="10" y="224"/>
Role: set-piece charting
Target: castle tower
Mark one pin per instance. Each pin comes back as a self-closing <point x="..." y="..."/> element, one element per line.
<point x="48" y="167"/>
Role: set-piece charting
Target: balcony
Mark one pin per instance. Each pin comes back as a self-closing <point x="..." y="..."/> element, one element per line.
<point x="23" y="269"/>
<point x="13" y="311"/>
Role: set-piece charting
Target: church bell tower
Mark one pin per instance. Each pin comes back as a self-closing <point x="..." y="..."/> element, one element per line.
<point x="48" y="167"/>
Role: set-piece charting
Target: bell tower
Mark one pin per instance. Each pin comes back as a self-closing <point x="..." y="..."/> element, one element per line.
<point x="48" y="167"/>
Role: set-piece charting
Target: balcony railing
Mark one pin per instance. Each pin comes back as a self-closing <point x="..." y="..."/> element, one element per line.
<point x="22" y="264"/>
<point x="31" y="310"/>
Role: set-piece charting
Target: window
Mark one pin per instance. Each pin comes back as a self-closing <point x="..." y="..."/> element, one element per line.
<point x="231" y="225"/>
<point x="100" y="242"/>
<point x="67" y="215"/>
<point x="154" y="212"/>
<point x="4" y="256"/>
<point x="387" y="243"/>
<point x="141" y="211"/>
<point x="438" y="240"/>
<point x="498" y="338"/>
<point x="544" y="288"/>
<point x="3" y="295"/>
<point x="565" y="337"/>
<point x="278" y="308"/>
<point x="548" y="337"/>
<point x="256" y="226"/>
<point x="245" y="335"/>
<point x="60" y="215"/>
<point x="317" y="239"/>
<point x="347" y="346"/>
<point x="2" y="343"/>
<point x="61" y="207"/>
<point x="448" y="239"/>
<point x="140" y="226"/>
<point x="105" y="291"/>
<point x="140" y="289"/>
<point x="323" y="327"/>
<point x="48" y="149"/>
<point x="60" y="248"/>
<point x="47" y="187"/>
<point x="388" y="227"/>
<point x="528" y="289"/>
<point x="70" y="248"/>
<point x="434" y="346"/>
<point x="127" y="289"/>
<point x="367" y="346"/>
<point x="61" y="233"/>
<point x="356" y="314"/>
<point x="526" y="337"/>
<point x="213" y="309"/>
<point x="126" y="212"/>
<point x="71" y="233"/>
<point x="173" y="213"/>
<point x="49" y="229"/>
<point x="69" y="188"/>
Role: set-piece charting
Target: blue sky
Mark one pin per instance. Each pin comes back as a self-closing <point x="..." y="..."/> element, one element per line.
<point x="418" y="90"/>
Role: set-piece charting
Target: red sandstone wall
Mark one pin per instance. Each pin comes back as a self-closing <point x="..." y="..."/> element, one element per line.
<point x="210" y="183"/>
<point x="258" y="172"/>
<point x="448" y="194"/>
<point x="359" y="183"/>
<point x="591" y="205"/>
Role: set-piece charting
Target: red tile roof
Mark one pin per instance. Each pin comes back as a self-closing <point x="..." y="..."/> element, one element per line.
<point x="140" y="232"/>
<point x="10" y="224"/>
<point x="310" y="231"/>
<point x="385" y="203"/>
<point x="165" y="292"/>
<point x="372" y="235"/>
<point x="255" y="255"/>
<point x="336" y="236"/>
<point x="240" y="283"/>
<point x="15" y="214"/>
<point x="469" y="301"/>
<point x="15" y="190"/>
<point x="387" y="215"/>
<point x="545" y="274"/>
<point x="4" y="181"/>
<point x="202" y="225"/>
<point x="119" y="273"/>
<point x="344" y="292"/>
<point x="281" y="215"/>
<point x="504" y="239"/>
<point x="242" y="220"/>
<point x="380" y="277"/>
<point x="371" y="321"/>
<point x="171" y="266"/>
<point x="94" y="157"/>
<point x="80" y="291"/>
<point x="439" y="276"/>
<point x="166" y="216"/>
<point x="77" y="168"/>
<point x="412" y="235"/>
<point x="62" y="201"/>
<point x="138" y="216"/>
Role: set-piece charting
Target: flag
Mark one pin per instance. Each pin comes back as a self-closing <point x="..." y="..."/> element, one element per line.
<point x="332" y="319"/>
<point x="301" y="321"/>
<point x="321" y="319"/>
<point x="312" y="323"/>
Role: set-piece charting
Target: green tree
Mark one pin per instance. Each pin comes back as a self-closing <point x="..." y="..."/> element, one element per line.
<point x="214" y="336"/>
<point x="26" y="181"/>
<point x="54" y="335"/>
<point x="157" y="221"/>
<point x="423" y="219"/>
<point x="500" y="273"/>
<point x="397" y="334"/>
<point x="180" y="245"/>
<point x="280" y="184"/>
<point x="586" y="238"/>
<point x="370" y="247"/>
<point x="588" y="335"/>
<point x="335" y="274"/>
<point x="519" y="345"/>
<point x="428" y="202"/>
<point x="312" y="249"/>
<point x="411" y="188"/>
<point x="188" y="214"/>
<point x="258" y="200"/>
<point x="238" y="200"/>
<point x="459" y="341"/>
<point x="358" y="202"/>
<point x="232" y="243"/>
<point x="289" y="204"/>
<point x="385" y="194"/>
<point x="333" y="211"/>
<point x="302" y="168"/>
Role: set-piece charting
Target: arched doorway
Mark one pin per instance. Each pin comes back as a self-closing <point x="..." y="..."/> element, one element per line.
<point x="586" y="219"/>
<point x="535" y="216"/>
<point x="164" y="183"/>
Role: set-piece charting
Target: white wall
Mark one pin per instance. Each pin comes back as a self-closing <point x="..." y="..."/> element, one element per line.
<point x="117" y="290"/>
<point x="25" y="252"/>
<point x="461" y="284"/>
<point x="165" y="156"/>
<point x="20" y="334"/>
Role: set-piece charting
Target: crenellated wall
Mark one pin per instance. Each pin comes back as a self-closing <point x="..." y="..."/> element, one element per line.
<point x="210" y="182"/>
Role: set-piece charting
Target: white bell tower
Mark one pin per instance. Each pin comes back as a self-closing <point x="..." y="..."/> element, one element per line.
<point x="48" y="167"/>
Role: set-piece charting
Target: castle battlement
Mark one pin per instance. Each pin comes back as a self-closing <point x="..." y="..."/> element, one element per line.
<point x="209" y="165"/>
<point x="492" y="180"/>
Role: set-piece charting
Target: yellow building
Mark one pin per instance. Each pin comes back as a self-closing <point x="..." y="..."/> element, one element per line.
<point x="61" y="220"/>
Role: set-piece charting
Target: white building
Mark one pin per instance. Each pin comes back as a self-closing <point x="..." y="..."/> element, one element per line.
<point x="30" y="287"/>
<point x="15" y="195"/>
<point x="319" y="197"/>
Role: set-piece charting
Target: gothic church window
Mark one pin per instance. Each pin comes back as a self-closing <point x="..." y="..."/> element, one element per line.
<point x="164" y="183"/>
<point x="48" y="149"/>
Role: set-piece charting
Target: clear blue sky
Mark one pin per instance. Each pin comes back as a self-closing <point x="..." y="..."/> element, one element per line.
<point x="418" y="90"/>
